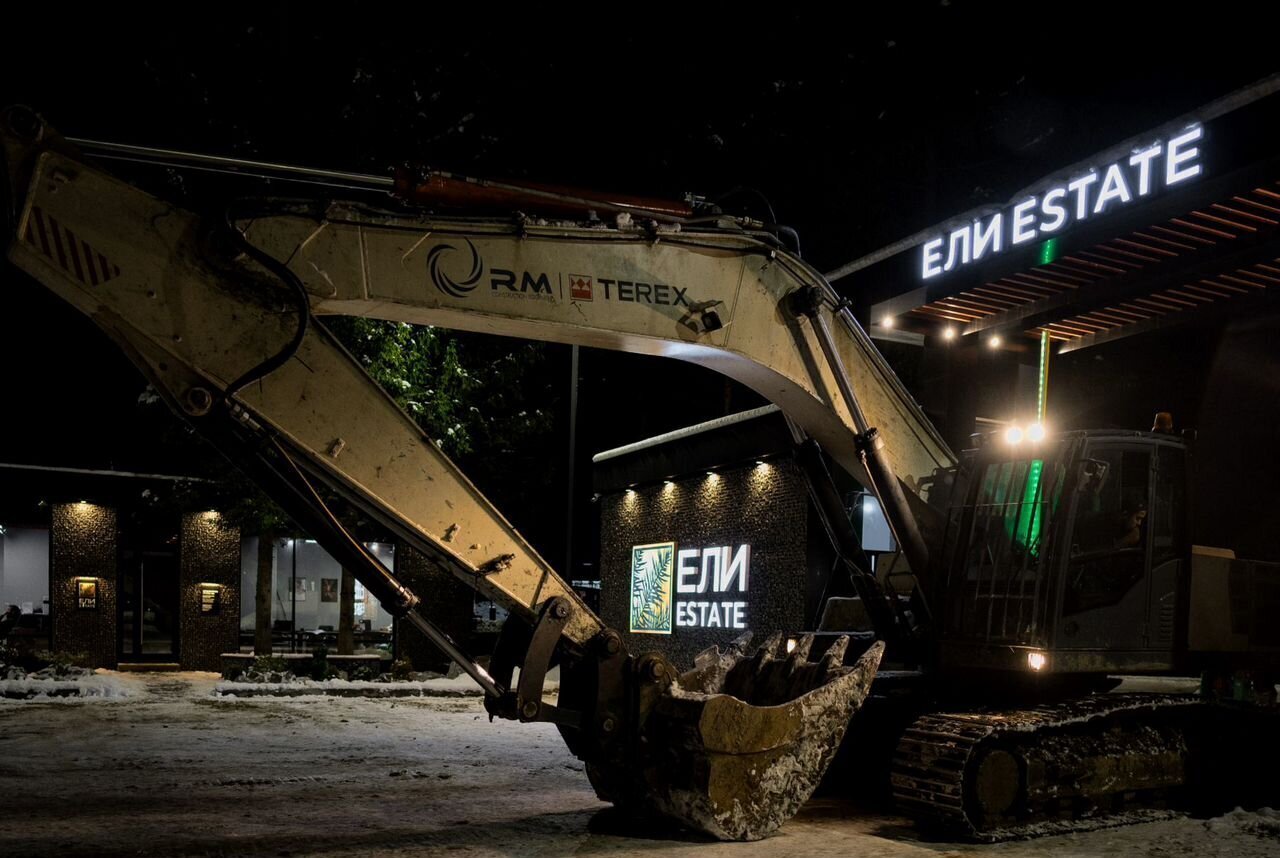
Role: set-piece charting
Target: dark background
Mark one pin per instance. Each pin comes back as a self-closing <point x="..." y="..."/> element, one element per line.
<point x="859" y="130"/>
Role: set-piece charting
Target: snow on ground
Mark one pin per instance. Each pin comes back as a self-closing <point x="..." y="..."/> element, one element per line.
<point x="100" y="685"/>
<point x="458" y="686"/>
<point x="176" y="770"/>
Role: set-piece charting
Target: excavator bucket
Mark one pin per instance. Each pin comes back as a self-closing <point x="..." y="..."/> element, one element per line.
<point x="736" y="745"/>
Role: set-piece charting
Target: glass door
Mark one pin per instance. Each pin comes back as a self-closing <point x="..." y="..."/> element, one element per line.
<point x="149" y="593"/>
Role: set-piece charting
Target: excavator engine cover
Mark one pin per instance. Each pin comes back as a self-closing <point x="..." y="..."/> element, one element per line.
<point x="736" y="745"/>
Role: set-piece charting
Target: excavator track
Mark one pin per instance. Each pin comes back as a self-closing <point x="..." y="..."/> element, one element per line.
<point x="1097" y="761"/>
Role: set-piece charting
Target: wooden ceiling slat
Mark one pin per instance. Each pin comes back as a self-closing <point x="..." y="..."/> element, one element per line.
<point x="1039" y="283"/>
<point x="1223" y="234"/>
<point x="1145" y="309"/>
<point x="1037" y="289"/>
<point x="1107" y="258"/>
<point x="1116" y="311"/>
<point x="947" y="315"/>
<point x="1011" y="296"/>
<point x="1070" y="328"/>
<point x="1212" y="293"/>
<point x="1128" y="242"/>
<point x="966" y="299"/>
<point x="1228" y="287"/>
<point x="1145" y="257"/>
<point x="1155" y="303"/>
<point x="1170" y="242"/>
<point x="1244" y="214"/>
<point x="1241" y="282"/>
<point x="1102" y="324"/>
<point x="1190" y="296"/>
<point x="1059" y="270"/>
<point x="1255" y="277"/>
<point x="1120" y="317"/>
<point x="1182" y="235"/>
<point x="1248" y="202"/>
<point x="1002" y="301"/>
<point x="1087" y="264"/>
<point x="1238" y="227"/>
<point x="1165" y="295"/>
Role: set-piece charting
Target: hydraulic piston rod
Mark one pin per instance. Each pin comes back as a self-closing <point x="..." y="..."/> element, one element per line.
<point x="884" y="483"/>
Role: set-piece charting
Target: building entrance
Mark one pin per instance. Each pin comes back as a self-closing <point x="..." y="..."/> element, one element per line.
<point x="149" y="590"/>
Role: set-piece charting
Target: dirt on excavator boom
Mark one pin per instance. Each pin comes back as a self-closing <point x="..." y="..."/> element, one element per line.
<point x="218" y="314"/>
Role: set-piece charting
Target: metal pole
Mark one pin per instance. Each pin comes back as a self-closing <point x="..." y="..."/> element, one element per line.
<point x="885" y="484"/>
<point x="573" y="438"/>
<point x="1042" y="380"/>
<point x="293" y="597"/>
<point x="451" y="649"/>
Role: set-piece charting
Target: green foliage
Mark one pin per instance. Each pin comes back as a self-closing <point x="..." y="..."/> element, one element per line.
<point x="488" y="402"/>
<point x="61" y="659"/>
<point x="363" y="673"/>
<point x="467" y="392"/>
<point x="269" y="664"/>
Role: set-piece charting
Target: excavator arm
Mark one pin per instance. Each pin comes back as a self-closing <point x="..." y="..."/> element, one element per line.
<point x="220" y="315"/>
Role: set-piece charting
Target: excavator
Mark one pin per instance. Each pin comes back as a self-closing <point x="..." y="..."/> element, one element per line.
<point x="1014" y="572"/>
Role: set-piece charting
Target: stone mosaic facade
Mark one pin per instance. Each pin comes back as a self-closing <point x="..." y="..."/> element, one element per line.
<point x="762" y="505"/>
<point x="210" y="560"/>
<point x="83" y="546"/>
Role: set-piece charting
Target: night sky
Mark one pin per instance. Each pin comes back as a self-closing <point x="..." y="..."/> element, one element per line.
<point x="858" y="130"/>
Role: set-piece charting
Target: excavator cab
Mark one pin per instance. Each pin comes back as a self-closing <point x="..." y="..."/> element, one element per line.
<point x="1067" y="556"/>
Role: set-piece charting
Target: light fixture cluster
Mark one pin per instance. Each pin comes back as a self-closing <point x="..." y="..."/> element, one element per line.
<point x="712" y="475"/>
<point x="1015" y="434"/>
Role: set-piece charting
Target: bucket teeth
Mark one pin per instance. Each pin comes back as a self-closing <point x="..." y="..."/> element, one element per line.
<point x="834" y="656"/>
<point x="805" y="643"/>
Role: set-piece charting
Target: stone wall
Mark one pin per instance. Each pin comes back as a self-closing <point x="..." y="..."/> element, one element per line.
<point x="210" y="559"/>
<point x="763" y="505"/>
<point x="84" y="545"/>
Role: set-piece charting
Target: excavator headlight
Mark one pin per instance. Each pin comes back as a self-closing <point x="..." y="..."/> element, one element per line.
<point x="1035" y="432"/>
<point x="1037" y="660"/>
<point x="1013" y="435"/>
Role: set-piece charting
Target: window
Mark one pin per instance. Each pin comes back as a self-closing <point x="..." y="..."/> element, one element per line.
<point x="1108" y="546"/>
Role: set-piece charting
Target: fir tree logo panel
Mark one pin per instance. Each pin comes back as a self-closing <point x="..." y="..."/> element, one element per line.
<point x="651" y="579"/>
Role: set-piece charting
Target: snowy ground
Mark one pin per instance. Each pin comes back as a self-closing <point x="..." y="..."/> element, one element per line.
<point x="173" y="770"/>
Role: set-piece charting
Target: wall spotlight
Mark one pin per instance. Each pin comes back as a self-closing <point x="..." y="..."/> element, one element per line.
<point x="995" y="342"/>
<point x="886" y="322"/>
<point x="948" y="334"/>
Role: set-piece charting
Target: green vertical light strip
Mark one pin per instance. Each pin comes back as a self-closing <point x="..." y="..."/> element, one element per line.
<point x="1048" y="251"/>
<point x="1042" y="381"/>
<point x="1027" y="530"/>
